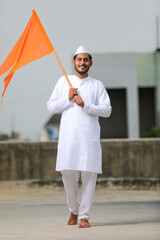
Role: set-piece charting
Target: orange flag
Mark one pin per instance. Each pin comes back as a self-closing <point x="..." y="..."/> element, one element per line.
<point x="32" y="45"/>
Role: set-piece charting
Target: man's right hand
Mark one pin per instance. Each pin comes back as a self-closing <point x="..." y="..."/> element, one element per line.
<point x="72" y="93"/>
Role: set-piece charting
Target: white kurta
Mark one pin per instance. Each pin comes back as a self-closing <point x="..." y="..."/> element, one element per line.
<point x="79" y="138"/>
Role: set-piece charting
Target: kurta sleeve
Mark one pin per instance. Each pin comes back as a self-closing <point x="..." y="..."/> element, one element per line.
<point x="102" y="107"/>
<point x="58" y="101"/>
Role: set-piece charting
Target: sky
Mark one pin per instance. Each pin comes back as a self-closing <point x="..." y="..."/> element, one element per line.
<point x="104" y="26"/>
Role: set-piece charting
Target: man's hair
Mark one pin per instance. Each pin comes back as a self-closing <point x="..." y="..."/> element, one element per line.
<point x="90" y="57"/>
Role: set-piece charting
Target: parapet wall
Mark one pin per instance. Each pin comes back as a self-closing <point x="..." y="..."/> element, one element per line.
<point x="122" y="158"/>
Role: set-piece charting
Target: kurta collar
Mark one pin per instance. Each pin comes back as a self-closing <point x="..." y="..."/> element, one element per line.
<point x="82" y="80"/>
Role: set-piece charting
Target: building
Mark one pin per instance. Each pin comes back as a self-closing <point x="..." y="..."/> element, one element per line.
<point x="133" y="83"/>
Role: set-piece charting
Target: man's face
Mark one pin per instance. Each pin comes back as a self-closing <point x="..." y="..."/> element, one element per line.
<point x="82" y="63"/>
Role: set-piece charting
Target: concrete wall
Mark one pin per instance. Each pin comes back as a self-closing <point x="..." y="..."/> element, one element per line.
<point x="157" y="57"/>
<point x="146" y="69"/>
<point x="121" y="158"/>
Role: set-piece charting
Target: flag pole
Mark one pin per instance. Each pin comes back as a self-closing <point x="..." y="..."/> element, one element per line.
<point x="69" y="83"/>
<point x="62" y="68"/>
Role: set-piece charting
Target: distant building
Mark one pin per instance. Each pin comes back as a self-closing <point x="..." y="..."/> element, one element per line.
<point x="52" y="127"/>
<point x="133" y="83"/>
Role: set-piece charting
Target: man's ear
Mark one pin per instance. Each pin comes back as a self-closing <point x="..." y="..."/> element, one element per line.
<point x="73" y="62"/>
<point x="91" y="63"/>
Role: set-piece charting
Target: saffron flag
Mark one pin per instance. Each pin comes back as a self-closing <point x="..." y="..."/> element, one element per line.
<point x="32" y="45"/>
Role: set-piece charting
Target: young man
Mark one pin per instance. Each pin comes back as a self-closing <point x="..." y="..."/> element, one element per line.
<point x="79" y="150"/>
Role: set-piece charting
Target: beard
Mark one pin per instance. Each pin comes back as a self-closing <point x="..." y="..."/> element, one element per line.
<point x="82" y="71"/>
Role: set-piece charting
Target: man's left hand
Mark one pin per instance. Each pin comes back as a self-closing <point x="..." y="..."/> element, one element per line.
<point x="79" y="101"/>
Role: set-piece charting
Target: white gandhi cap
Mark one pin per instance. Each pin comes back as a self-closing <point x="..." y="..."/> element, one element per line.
<point x="81" y="49"/>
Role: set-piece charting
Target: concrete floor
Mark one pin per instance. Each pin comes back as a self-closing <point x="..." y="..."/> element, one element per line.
<point x="128" y="220"/>
<point x="41" y="214"/>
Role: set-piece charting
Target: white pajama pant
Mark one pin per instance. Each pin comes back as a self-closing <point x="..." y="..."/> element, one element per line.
<point x="70" y="180"/>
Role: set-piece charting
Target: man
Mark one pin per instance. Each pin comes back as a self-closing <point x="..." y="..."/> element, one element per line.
<point x="79" y="150"/>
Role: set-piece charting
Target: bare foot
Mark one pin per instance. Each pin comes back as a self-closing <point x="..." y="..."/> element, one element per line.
<point x="72" y="220"/>
<point x="84" y="224"/>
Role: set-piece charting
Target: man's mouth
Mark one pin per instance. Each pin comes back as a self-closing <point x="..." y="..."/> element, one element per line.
<point x="83" y="66"/>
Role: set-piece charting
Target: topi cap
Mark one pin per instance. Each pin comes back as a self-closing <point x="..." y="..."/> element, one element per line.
<point x="81" y="49"/>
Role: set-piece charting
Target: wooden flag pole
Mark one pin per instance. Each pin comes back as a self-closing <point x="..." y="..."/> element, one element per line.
<point x="62" y="68"/>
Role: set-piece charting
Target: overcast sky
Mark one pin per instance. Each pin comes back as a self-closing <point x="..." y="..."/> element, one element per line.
<point x="104" y="26"/>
